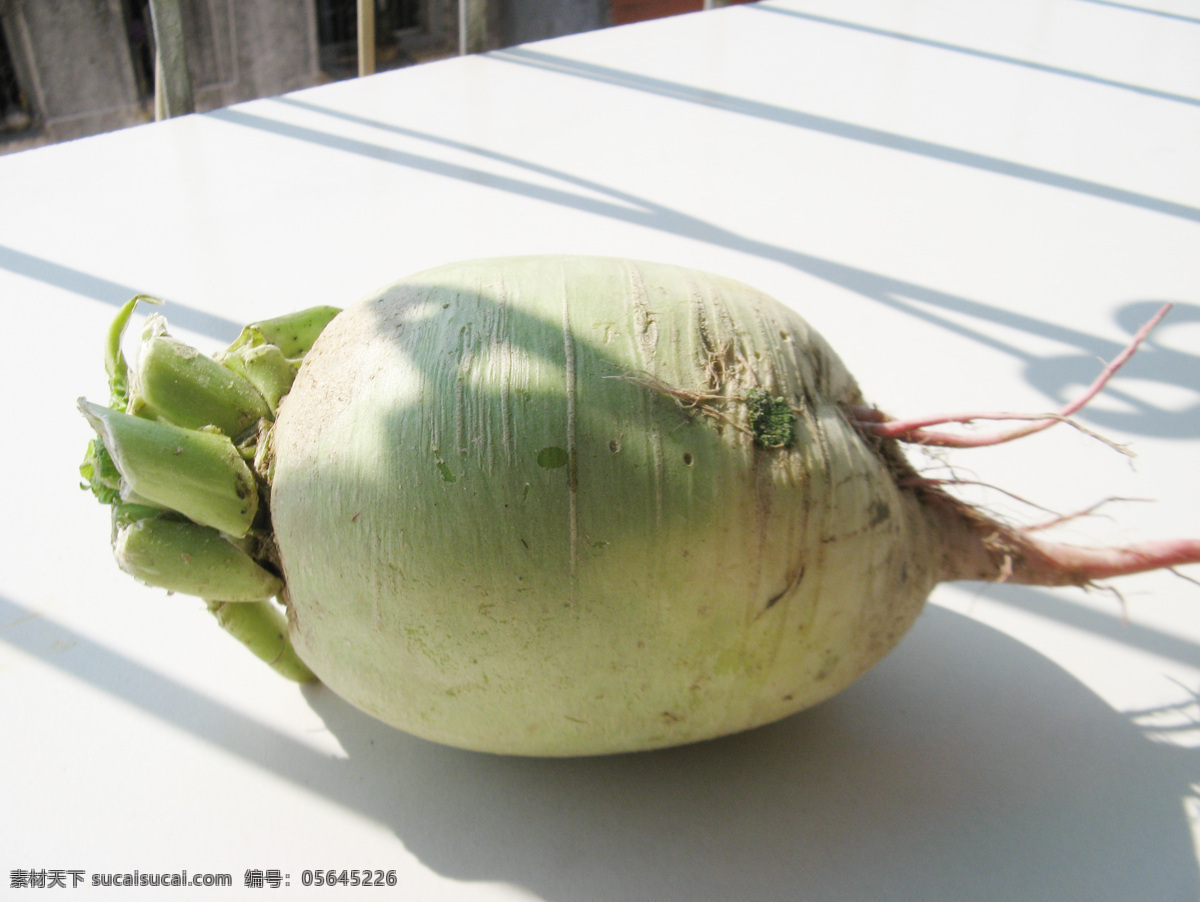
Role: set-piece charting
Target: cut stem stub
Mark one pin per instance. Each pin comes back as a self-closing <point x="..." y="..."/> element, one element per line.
<point x="170" y="457"/>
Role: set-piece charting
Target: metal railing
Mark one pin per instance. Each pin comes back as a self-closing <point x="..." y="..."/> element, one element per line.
<point x="172" y="84"/>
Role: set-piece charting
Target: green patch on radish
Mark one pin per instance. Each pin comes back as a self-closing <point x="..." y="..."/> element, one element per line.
<point x="771" y="419"/>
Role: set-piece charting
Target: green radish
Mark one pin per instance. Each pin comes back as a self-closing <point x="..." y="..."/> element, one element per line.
<point x="554" y="505"/>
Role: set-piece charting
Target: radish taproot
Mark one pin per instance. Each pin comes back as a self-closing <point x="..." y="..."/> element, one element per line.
<point x="548" y="505"/>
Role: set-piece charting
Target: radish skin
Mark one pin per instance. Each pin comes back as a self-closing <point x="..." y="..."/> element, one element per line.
<point x="576" y="505"/>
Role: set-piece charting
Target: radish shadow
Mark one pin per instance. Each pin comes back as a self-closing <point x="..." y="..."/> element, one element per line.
<point x="965" y="766"/>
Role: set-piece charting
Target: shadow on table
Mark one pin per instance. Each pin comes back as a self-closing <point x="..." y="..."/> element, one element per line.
<point x="1058" y="377"/>
<point x="116" y="294"/>
<point x="850" y="131"/>
<point x="966" y="766"/>
<point x="979" y="53"/>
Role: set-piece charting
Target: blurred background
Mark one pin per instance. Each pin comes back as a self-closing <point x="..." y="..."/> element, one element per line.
<point x="71" y="68"/>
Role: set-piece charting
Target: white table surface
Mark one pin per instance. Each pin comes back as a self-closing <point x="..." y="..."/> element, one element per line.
<point x="976" y="202"/>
